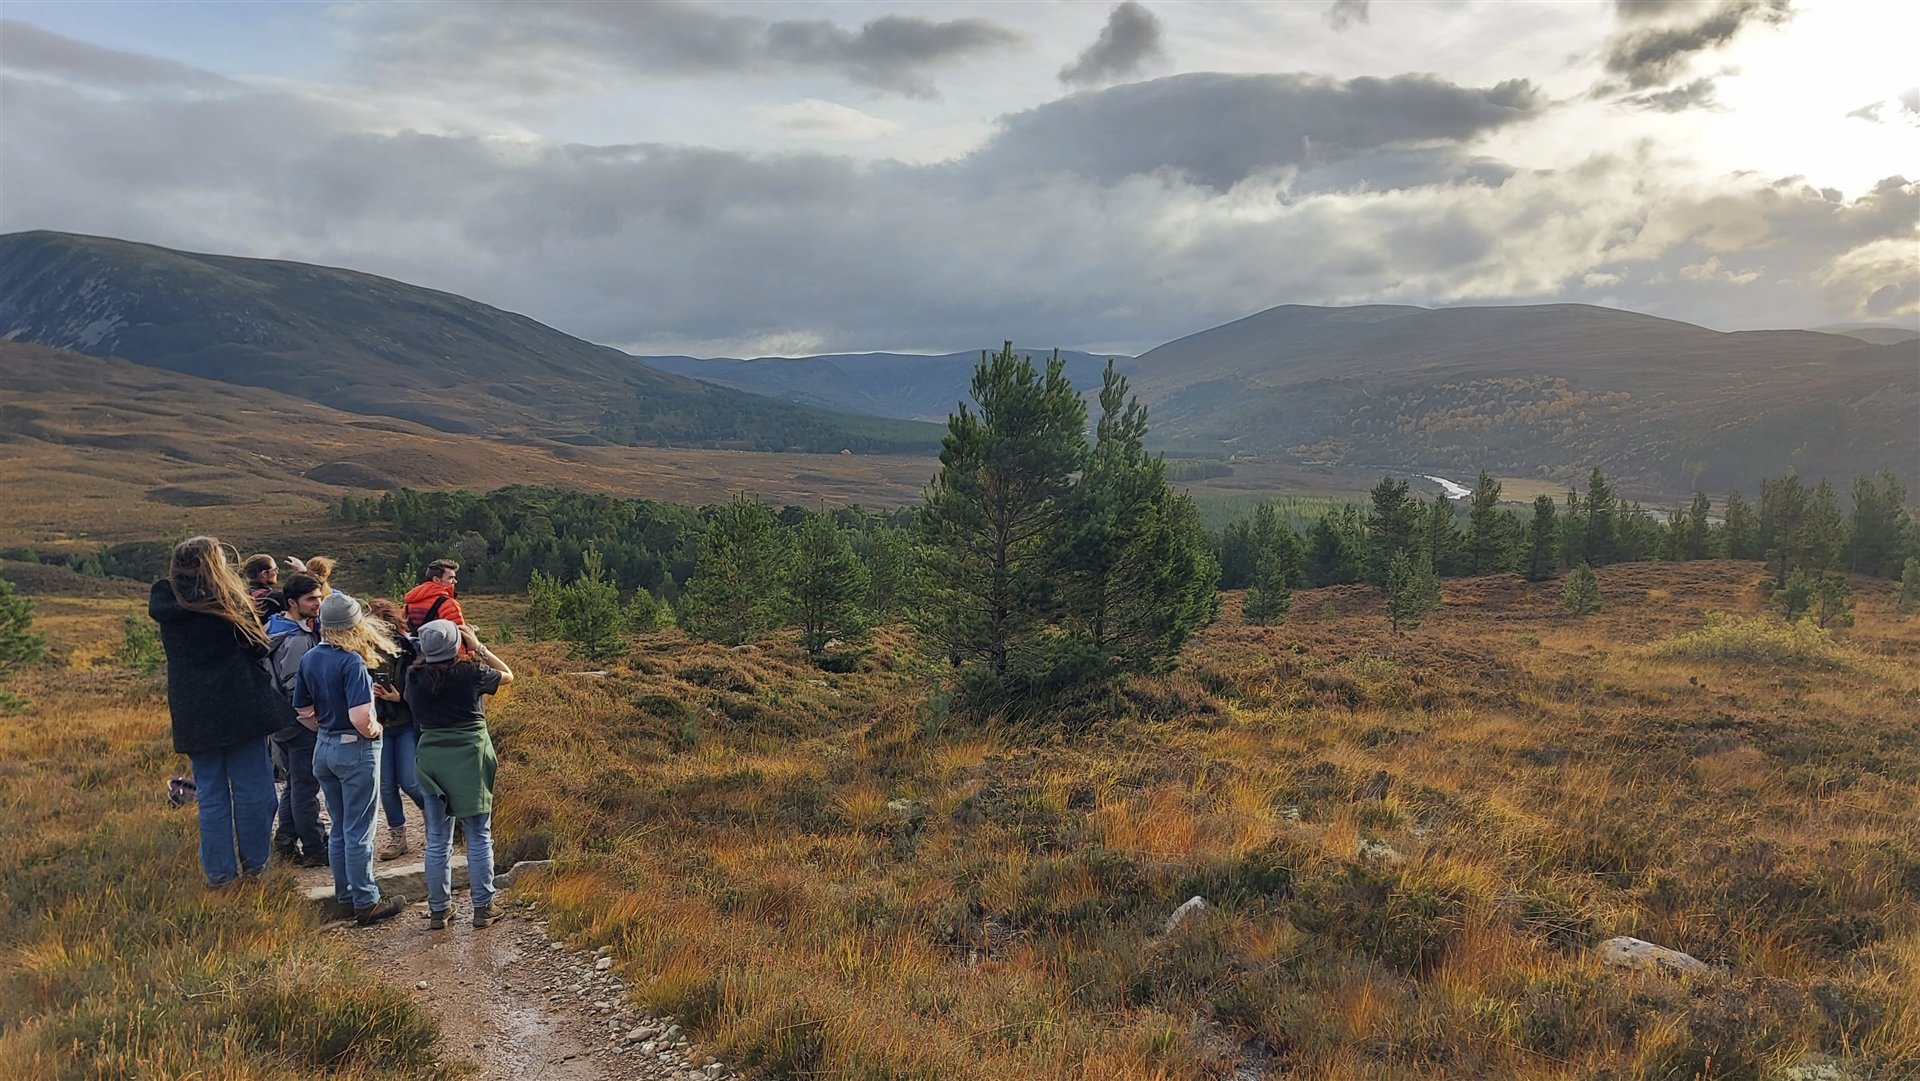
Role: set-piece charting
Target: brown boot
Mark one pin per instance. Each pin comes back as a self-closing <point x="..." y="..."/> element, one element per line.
<point x="385" y="908"/>
<point x="396" y="844"/>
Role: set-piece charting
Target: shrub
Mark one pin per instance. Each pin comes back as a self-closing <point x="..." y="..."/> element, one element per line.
<point x="19" y="644"/>
<point x="1581" y="597"/>
<point x="1832" y="602"/>
<point x="140" y="645"/>
<point x="1724" y="637"/>
<point x="1796" y="596"/>
<point x="1910" y="586"/>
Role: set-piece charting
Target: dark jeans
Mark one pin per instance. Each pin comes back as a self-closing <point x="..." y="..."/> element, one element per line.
<point x="299" y="816"/>
<point x="399" y="747"/>
<point x="235" y="792"/>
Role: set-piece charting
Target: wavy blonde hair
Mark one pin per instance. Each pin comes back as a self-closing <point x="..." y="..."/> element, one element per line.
<point x="366" y="638"/>
<point x="321" y="567"/>
<point x="205" y="580"/>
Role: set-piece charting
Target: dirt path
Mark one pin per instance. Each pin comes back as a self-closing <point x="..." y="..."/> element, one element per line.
<point x="520" y="1006"/>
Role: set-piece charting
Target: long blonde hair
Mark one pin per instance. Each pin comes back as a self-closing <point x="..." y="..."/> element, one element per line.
<point x="367" y="638"/>
<point x="321" y="567"/>
<point x="204" y="580"/>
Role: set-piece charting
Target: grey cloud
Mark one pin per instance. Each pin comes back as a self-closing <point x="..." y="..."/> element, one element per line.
<point x="1657" y="55"/>
<point x="1634" y="10"/>
<point x="672" y="249"/>
<point x="1218" y="129"/>
<point x="1908" y="102"/>
<point x="26" y="49"/>
<point x="1345" y="13"/>
<point x="544" y="47"/>
<point x="1698" y="94"/>
<point x="1131" y="38"/>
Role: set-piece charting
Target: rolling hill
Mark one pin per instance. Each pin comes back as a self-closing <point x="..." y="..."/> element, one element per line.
<point x="370" y="345"/>
<point x="1539" y="390"/>
<point x="909" y="386"/>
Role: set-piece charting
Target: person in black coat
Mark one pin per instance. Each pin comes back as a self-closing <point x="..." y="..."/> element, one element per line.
<point x="223" y="703"/>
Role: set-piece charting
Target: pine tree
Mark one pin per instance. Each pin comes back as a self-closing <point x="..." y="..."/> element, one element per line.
<point x="1826" y="532"/>
<point x="828" y="584"/>
<point x="1910" y="586"/>
<point x="1603" y="520"/>
<point x="1442" y="539"/>
<point x="1832" y="604"/>
<point x="590" y="615"/>
<point x="1795" y="596"/>
<point x="644" y="613"/>
<point x="20" y="645"/>
<point x="737" y="591"/>
<point x="1784" y="506"/>
<point x="1488" y="538"/>
<point x="1698" y="540"/>
<point x="890" y="570"/>
<point x="544" y="597"/>
<point x="1543" y="535"/>
<point x="1874" y="532"/>
<point x="1741" y="532"/>
<point x="1413" y="590"/>
<point x="1581" y="594"/>
<point x="1337" y="547"/>
<point x="990" y="527"/>
<point x="1276" y="553"/>
<point x="1391" y="526"/>
<point x="1139" y="574"/>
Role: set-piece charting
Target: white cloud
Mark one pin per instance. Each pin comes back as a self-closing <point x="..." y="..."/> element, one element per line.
<point x="816" y="119"/>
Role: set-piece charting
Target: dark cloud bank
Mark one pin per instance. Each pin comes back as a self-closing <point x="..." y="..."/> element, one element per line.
<point x="1127" y="44"/>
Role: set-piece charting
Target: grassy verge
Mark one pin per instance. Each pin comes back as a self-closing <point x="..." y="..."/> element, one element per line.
<point x="119" y="963"/>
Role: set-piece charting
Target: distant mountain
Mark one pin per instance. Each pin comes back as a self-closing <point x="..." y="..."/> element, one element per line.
<point x="906" y="385"/>
<point x="1876" y="333"/>
<point x="1540" y="390"/>
<point x="371" y="345"/>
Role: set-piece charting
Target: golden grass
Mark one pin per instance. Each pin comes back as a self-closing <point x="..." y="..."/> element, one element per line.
<point x="823" y="879"/>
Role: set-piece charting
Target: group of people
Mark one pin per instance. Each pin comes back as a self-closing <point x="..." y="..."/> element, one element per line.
<point x="362" y="705"/>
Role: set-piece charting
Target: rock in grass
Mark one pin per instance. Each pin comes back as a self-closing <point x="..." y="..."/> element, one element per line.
<point x="1625" y="952"/>
<point x="603" y="964"/>
<point x="1193" y="908"/>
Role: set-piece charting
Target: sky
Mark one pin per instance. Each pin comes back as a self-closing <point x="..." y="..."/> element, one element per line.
<point x="749" y="179"/>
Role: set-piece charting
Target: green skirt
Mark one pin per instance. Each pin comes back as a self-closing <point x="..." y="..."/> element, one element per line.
<point x="457" y="765"/>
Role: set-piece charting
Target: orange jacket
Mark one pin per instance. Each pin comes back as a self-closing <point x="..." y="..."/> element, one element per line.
<point x="420" y="608"/>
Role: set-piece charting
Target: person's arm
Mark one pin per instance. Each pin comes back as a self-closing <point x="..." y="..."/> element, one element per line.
<point x="360" y="687"/>
<point x="297" y="563"/>
<point x="303" y="704"/>
<point x="479" y="649"/>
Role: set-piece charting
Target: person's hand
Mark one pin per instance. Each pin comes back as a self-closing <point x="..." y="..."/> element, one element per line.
<point x="470" y="639"/>
<point x="386" y="692"/>
<point x="297" y="563"/>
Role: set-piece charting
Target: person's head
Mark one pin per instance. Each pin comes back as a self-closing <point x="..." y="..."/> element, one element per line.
<point x="344" y="625"/>
<point x="205" y="579"/>
<point x="303" y="594"/>
<point x="444" y="571"/>
<point x="321" y="567"/>
<point x="439" y="652"/>
<point x="260" y="571"/>
<point x="385" y="611"/>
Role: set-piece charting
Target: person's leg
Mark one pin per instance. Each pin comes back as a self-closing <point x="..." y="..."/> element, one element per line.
<point x="397" y="784"/>
<point x="479" y="831"/>
<point x="390" y="798"/>
<point x="439" y="865"/>
<point x="359" y="815"/>
<point x="306" y="794"/>
<point x="404" y="762"/>
<point x="285" y="836"/>
<point x="215" y="799"/>
<point x="324" y="755"/>
<point x="250" y="771"/>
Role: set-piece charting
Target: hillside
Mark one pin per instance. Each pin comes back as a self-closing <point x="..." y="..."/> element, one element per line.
<point x="905" y="385"/>
<point x="371" y="345"/>
<point x="1412" y="849"/>
<point x="103" y="449"/>
<point x="1542" y="390"/>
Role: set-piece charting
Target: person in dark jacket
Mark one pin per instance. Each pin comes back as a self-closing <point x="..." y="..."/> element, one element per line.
<point x="263" y="581"/>
<point x="399" y="739"/>
<point x="223" y="704"/>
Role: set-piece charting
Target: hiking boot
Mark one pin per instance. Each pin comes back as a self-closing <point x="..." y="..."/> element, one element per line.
<point x="287" y="853"/>
<point x="312" y="859"/>
<point x="342" y="910"/>
<point x="437" y="921"/>
<point x="482" y="915"/>
<point x="385" y="908"/>
<point x="396" y="844"/>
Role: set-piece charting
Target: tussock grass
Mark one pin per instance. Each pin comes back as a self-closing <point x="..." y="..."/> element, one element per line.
<point x="1757" y="640"/>
<point x="118" y="962"/>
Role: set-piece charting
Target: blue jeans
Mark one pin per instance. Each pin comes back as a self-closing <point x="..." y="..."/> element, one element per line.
<point x="396" y="773"/>
<point x="479" y="830"/>
<point x="236" y="809"/>
<point x="299" y="817"/>
<point x="347" y="765"/>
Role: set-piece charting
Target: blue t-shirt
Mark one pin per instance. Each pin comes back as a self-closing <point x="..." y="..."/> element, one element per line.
<point x="332" y="681"/>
